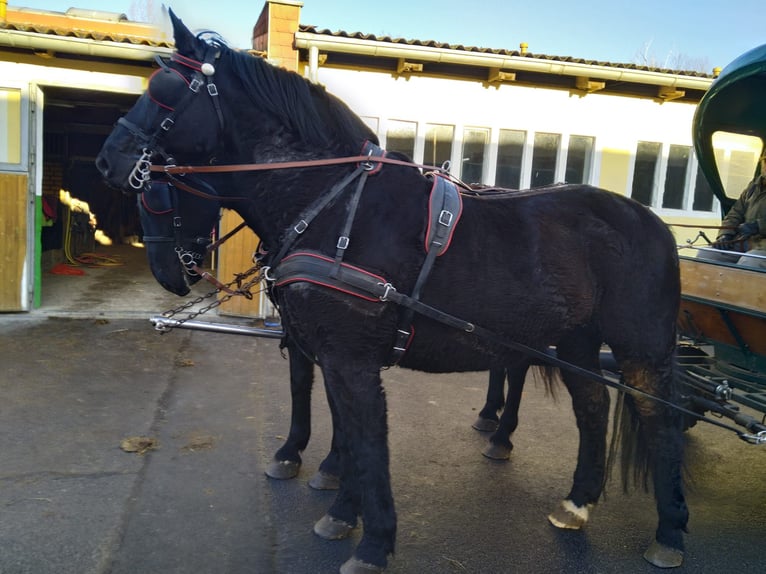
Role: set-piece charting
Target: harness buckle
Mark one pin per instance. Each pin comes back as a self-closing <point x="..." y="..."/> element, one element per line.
<point x="388" y="288"/>
<point x="445" y="218"/>
<point x="301" y="226"/>
<point x="167" y="123"/>
<point x="176" y="222"/>
<point x="212" y="89"/>
<point x="195" y="85"/>
<point x="342" y="242"/>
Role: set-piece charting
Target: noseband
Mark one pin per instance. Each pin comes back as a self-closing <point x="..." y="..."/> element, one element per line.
<point x="202" y="75"/>
<point x="190" y="259"/>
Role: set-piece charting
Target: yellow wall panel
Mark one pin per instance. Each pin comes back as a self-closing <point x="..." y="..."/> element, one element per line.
<point x="13" y="239"/>
<point x="236" y="256"/>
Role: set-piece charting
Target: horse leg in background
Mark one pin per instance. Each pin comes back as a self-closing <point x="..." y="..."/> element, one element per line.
<point x="327" y="477"/>
<point x="287" y="460"/>
<point x="365" y="485"/>
<point x="590" y="401"/>
<point x="500" y="445"/>
<point x="487" y="420"/>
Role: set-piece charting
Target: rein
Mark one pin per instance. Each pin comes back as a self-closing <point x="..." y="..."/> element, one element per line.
<point x="183" y="169"/>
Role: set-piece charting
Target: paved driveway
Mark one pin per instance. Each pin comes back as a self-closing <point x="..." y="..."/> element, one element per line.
<point x="71" y="501"/>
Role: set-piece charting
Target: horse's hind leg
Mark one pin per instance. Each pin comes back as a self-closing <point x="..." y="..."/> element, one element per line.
<point x="500" y="445"/>
<point x="658" y="447"/>
<point x="487" y="421"/>
<point x="590" y="401"/>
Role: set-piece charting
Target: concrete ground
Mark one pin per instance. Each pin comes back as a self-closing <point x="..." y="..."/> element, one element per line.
<point x="80" y="376"/>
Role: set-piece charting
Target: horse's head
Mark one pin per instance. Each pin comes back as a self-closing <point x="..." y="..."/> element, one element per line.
<point x="176" y="234"/>
<point x="177" y="119"/>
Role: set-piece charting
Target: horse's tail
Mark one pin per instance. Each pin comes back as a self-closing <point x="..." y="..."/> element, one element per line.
<point x="550" y="377"/>
<point x="630" y="440"/>
<point x="630" y="444"/>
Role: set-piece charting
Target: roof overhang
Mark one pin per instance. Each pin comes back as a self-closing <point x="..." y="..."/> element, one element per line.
<point x="36" y="42"/>
<point x="329" y="43"/>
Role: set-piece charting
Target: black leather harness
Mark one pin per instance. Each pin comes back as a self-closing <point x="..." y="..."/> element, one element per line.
<point x="444" y="210"/>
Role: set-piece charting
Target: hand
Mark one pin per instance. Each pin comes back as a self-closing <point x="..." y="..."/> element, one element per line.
<point x="748" y="229"/>
<point x="723" y="241"/>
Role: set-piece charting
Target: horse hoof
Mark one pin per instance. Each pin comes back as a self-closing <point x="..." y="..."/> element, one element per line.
<point x="485" y="425"/>
<point x="356" y="566"/>
<point x="568" y="516"/>
<point x="324" y="481"/>
<point x="331" y="528"/>
<point x="663" y="556"/>
<point x="283" y="469"/>
<point x="497" y="451"/>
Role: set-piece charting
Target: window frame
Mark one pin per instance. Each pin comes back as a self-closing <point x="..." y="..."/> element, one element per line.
<point x="24" y="127"/>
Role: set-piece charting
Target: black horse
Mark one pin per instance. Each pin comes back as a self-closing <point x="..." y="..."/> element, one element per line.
<point x="373" y="262"/>
<point x="177" y="235"/>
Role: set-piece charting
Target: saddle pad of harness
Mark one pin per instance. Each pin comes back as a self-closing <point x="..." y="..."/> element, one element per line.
<point x="445" y="206"/>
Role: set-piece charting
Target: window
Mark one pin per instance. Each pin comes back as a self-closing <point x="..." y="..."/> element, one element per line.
<point x="741" y="171"/>
<point x="438" y="144"/>
<point x="401" y="137"/>
<point x="703" y="194"/>
<point x="10" y="127"/>
<point x="372" y="123"/>
<point x="510" y="152"/>
<point x="675" y="177"/>
<point x="645" y="171"/>
<point x="474" y="151"/>
<point x="579" y="159"/>
<point x="544" y="159"/>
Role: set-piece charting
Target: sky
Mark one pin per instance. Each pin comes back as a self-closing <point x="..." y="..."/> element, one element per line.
<point x="678" y="34"/>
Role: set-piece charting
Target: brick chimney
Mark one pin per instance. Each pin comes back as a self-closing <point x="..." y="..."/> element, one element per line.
<point x="274" y="32"/>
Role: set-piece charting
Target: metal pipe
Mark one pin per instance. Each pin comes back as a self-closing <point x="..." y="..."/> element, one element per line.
<point x="306" y="40"/>
<point x="166" y="324"/>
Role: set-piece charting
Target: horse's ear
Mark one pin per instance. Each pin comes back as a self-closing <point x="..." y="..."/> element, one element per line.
<point x="186" y="42"/>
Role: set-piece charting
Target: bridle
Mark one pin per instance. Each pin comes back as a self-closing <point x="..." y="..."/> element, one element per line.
<point x="202" y="75"/>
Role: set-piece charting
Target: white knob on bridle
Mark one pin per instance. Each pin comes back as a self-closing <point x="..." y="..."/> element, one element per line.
<point x="207" y="69"/>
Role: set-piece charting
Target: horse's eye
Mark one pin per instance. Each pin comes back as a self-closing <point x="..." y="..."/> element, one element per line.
<point x="167" y="86"/>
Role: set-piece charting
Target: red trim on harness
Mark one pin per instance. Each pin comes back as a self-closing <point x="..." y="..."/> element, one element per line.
<point x="367" y="147"/>
<point x="433" y="218"/>
<point x="330" y="285"/>
<point x="152" y="211"/>
<point x="164" y="71"/>
<point x="188" y="62"/>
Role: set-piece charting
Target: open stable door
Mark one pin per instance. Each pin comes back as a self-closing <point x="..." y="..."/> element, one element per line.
<point x="16" y="209"/>
<point x="236" y="256"/>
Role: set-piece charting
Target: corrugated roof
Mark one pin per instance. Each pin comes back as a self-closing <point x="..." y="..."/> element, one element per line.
<point x="85" y="24"/>
<point x="309" y="29"/>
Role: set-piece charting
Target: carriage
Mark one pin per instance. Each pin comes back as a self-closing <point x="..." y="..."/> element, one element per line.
<point x="722" y="320"/>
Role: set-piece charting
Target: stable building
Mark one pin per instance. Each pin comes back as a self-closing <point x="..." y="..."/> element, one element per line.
<point x="501" y="117"/>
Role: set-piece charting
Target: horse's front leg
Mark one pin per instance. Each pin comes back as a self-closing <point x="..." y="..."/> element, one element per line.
<point x="365" y="483"/>
<point x="500" y="445"/>
<point x="487" y="420"/>
<point x="326" y="478"/>
<point x="287" y="460"/>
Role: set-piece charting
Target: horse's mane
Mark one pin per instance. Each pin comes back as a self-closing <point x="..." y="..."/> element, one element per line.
<point x="319" y="118"/>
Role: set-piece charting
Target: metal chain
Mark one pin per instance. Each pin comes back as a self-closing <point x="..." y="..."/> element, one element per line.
<point x="243" y="289"/>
